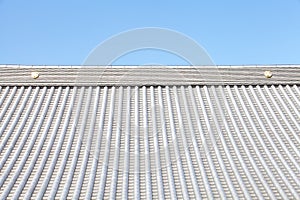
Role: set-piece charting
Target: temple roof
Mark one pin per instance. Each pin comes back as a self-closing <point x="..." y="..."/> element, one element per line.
<point x="150" y="132"/>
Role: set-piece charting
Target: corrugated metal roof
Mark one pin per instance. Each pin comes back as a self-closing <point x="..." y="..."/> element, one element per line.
<point x="168" y="141"/>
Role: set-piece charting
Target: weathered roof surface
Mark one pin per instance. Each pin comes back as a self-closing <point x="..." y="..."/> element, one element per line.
<point x="16" y="75"/>
<point x="238" y="140"/>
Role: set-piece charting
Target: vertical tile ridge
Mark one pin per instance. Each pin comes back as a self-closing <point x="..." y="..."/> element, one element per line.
<point x="16" y="155"/>
<point x="69" y="144"/>
<point x="289" y="101"/>
<point x="53" y="162"/>
<point x="16" y="135"/>
<point x="234" y="144"/>
<point x="215" y="145"/>
<point x="10" y="112"/>
<point x="276" y="135"/>
<point x="183" y="133"/>
<point x="69" y="174"/>
<point x="8" y="102"/>
<point x="127" y="147"/>
<point x="175" y="145"/>
<point x="227" y="152"/>
<point x="20" y="128"/>
<point x="293" y="175"/>
<point x="165" y="141"/>
<point x="36" y="178"/>
<point x="254" y="165"/>
<point x="15" y="120"/>
<point x="207" y="150"/>
<point x="98" y="146"/>
<point x="293" y="94"/>
<point x="146" y="144"/>
<point x="58" y="149"/>
<point x="284" y="104"/>
<point x="256" y="132"/>
<point x="4" y="95"/>
<point x="89" y="153"/>
<point x="196" y="146"/>
<point x="30" y="146"/>
<point x="156" y="147"/>
<point x="115" y="173"/>
<point x="79" y="146"/>
<point x="107" y="146"/>
<point x="136" y="145"/>
<point x="297" y="90"/>
<point x="283" y="117"/>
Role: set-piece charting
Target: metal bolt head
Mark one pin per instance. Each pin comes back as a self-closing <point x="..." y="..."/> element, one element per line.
<point x="35" y="75"/>
<point x="268" y="74"/>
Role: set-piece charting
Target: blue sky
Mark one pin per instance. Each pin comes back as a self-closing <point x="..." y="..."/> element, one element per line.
<point x="232" y="32"/>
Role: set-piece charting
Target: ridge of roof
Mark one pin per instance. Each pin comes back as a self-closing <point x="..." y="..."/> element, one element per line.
<point x="21" y="75"/>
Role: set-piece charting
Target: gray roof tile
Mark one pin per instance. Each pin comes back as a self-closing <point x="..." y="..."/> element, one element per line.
<point x="167" y="141"/>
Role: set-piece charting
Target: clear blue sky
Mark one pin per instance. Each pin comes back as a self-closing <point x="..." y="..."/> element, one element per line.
<point x="232" y="32"/>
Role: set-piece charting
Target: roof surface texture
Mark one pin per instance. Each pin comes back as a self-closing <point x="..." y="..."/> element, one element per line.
<point x="72" y="133"/>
